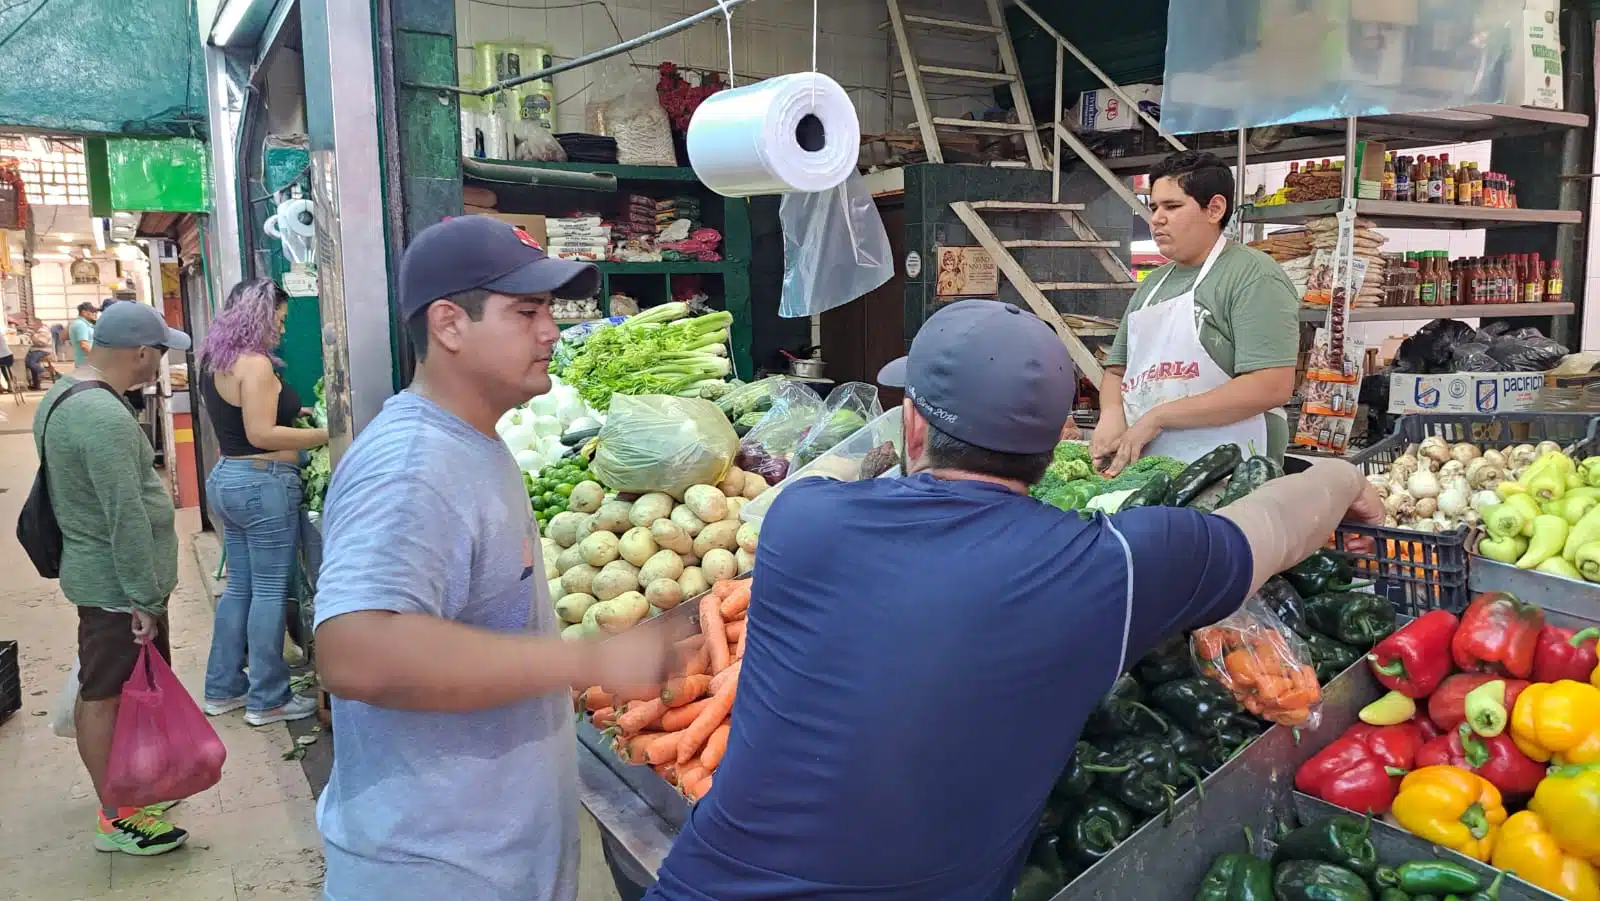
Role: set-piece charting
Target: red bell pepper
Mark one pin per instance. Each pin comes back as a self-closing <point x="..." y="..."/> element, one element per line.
<point x="1498" y="634"/>
<point x="1416" y="658"/>
<point x="1565" y="654"/>
<point x="1447" y="706"/>
<point x="1496" y="759"/>
<point x="1361" y="769"/>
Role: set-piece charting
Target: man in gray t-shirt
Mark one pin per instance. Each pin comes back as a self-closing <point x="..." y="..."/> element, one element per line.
<point x="454" y="772"/>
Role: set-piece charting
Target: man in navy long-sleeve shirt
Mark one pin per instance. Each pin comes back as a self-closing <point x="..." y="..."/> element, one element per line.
<point x="923" y="651"/>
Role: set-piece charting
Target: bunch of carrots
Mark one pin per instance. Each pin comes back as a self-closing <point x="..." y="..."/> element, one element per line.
<point x="1265" y="675"/>
<point x="681" y="728"/>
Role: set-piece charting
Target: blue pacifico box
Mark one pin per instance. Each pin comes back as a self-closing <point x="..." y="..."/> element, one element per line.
<point x="1465" y="392"/>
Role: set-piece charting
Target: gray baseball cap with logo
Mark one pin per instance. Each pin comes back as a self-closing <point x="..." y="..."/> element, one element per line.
<point x="133" y="324"/>
<point x="989" y="374"/>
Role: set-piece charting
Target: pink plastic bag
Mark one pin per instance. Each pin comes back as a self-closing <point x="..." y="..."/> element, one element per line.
<point x="162" y="749"/>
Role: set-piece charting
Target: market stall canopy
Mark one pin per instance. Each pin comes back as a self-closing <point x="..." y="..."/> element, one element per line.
<point x="1251" y="63"/>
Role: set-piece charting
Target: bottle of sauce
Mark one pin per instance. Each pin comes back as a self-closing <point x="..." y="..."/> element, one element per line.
<point x="1416" y="281"/>
<point x="1435" y="180"/>
<point x="1552" y="283"/>
<point x="1419" y="181"/>
<point x="1511" y="193"/>
<point x="1463" y="282"/>
<point x="1534" y="289"/>
<point x="1386" y="190"/>
<point x="1402" y="179"/>
<point x="1464" y="184"/>
<point x="1477" y="185"/>
<point x="1448" y="178"/>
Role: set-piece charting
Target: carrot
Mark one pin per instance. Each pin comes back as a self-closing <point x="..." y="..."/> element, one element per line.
<point x="604" y="718"/>
<point x="636" y="749"/>
<point x="677" y="719"/>
<point x="595" y="698"/>
<point x="698" y="663"/>
<point x="735" y="631"/>
<point x="699" y="788"/>
<point x="679" y="692"/>
<point x="664" y="750"/>
<point x="715" y="632"/>
<point x="1209" y="644"/>
<point x="716" y="746"/>
<point x="668" y="772"/>
<point x="723" y="588"/>
<point x="721" y="680"/>
<point x="737" y="601"/>
<point x="738" y="645"/>
<point x="639" y="715"/>
<point x="691" y="644"/>
<point x="689" y="775"/>
<point x="627" y="694"/>
<point x="694" y="738"/>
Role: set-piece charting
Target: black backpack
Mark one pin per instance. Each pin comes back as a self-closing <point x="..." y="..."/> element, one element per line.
<point x="37" y="529"/>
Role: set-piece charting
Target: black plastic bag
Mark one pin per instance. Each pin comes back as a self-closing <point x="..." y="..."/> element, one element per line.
<point x="1430" y="349"/>
<point x="1474" y="357"/>
<point x="1528" y="354"/>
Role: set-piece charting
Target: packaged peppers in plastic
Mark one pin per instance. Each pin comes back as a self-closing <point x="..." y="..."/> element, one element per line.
<point x="1260" y="660"/>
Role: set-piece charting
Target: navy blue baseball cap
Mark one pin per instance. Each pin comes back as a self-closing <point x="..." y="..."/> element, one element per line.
<point x="468" y="252"/>
<point x="989" y="374"/>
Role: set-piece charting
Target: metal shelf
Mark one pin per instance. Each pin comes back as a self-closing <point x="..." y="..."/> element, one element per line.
<point x="1408" y="314"/>
<point x="1403" y="214"/>
<point x="1399" y="132"/>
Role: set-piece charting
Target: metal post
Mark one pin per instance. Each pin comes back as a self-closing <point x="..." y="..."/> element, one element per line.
<point x="1239" y="182"/>
<point x="347" y="187"/>
<point x="1347" y="188"/>
<point x="226" y="268"/>
<point x="1055" y="133"/>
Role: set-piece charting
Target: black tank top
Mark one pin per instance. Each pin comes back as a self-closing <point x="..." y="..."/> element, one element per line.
<point x="228" y="420"/>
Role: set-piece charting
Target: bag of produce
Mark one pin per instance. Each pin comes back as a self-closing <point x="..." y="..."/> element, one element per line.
<point x="871" y="452"/>
<point x="847" y="408"/>
<point x="776" y="434"/>
<point x="1265" y="665"/>
<point x="654" y="442"/>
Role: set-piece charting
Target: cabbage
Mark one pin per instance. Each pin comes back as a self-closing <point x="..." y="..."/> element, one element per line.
<point x="528" y="460"/>
<point x="547" y="426"/>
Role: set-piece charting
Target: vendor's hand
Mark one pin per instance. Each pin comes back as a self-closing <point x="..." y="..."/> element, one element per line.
<point x="1103" y="443"/>
<point x="145" y="626"/>
<point x="1368" y="509"/>
<point x="1131" y="445"/>
<point x="1070" y="431"/>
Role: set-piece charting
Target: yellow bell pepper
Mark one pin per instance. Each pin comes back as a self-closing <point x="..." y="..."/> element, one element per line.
<point x="1594" y="677"/>
<point x="1451" y="807"/>
<point x="1527" y="848"/>
<point x="1568" y="801"/>
<point x="1554" y="719"/>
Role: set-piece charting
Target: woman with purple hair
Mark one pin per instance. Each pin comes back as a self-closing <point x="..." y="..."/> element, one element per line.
<point x="255" y="491"/>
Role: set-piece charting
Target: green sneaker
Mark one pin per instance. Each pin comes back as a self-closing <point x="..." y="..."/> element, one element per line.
<point x="158" y="808"/>
<point x="142" y="835"/>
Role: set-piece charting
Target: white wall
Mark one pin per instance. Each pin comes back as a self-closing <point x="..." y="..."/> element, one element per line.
<point x="770" y="37"/>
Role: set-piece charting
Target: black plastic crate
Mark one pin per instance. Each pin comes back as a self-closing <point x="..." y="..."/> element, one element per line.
<point x="10" y="679"/>
<point x="1573" y="431"/>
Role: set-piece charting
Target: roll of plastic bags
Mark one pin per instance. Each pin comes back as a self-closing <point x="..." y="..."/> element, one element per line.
<point x="782" y="135"/>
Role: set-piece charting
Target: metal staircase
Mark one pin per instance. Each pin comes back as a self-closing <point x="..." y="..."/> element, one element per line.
<point x="971" y="213"/>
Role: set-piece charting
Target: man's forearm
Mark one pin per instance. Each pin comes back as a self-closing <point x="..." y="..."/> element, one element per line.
<point x="1240" y="398"/>
<point x="414" y="661"/>
<point x="1111" y="412"/>
<point x="1288" y="519"/>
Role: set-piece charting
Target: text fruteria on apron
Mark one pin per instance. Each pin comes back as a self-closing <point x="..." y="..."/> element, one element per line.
<point x="1167" y="362"/>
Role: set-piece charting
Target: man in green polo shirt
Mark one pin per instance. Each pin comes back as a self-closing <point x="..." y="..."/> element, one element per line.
<point x="1206" y="352"/>
<point x="81" y="333"/>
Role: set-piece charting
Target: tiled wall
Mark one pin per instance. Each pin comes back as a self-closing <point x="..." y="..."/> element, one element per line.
<point x="770" y="37"/>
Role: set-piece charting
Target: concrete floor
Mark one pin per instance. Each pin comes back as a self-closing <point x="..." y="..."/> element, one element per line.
<point x="253" y="837"/>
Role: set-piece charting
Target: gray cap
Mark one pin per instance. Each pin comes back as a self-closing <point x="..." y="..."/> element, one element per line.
<point x="989" y="374"/>
<point x="134" y="324"/>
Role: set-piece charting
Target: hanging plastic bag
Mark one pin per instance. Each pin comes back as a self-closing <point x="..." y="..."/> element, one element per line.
<point x="848" y="407"/>
<point x="162" y="748"/>
<point x="654" y="442"/>
<point x="1263" y="663"/>
<point x="767" y="448"/>
<point x="531" y="141"/>
<point x="627" y="109"/>
<point x="63" y="721"/>
<point x="835" y="248"/>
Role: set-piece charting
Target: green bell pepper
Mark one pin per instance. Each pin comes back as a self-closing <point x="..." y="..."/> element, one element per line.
<point x="1094" y="829"/>
<point x="1122" y="712"/>
<point x="1430" y="876"/>
<point x="1313" y="880"/>
<point x="1354" y="618"/>
<point x="1236" y="877"/>
<point x="1321" y="572"/>
<point x="1077" y="779"/>
<point x="1154" y="771"/>
<point x="1169" y="662"/>
<point x="1342" y="841"/>
<point x="1206" y="709"/>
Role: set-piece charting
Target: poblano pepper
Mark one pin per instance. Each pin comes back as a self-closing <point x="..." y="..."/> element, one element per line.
<point x="1122" y="712"/>
<point x="1169" y="662"/>
<point x="1150" y="785"/>
<point x="1249" y="475"/>
<point x="1236" y="877"/>
<point x="1202" y="754"/>
<point x="1342" y="841"/>
<point x="1282" y="599"/>
<point x="1312" y="880"/>
<point x="1035" y="885"/>
<point x="1077" y="780"/>
<point x="1206" y="709"/>
<point x="1352" y="617"/>
<point x="1322" y="572"/>
<point x="1094" y="829"/>
<point x="1328" y="657"/>
<point x="1210" y="469"/>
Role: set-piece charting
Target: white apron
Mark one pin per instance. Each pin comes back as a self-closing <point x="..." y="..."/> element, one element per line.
<point x="1167" y="362"/>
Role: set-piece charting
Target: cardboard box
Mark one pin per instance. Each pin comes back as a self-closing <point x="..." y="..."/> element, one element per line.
<point x="532" y="224"/>
<point x="1369" y="171"/>
<point x="1465" y="392"/>
<point x="1102" y="110"/>
<point x="1534" y="76"/>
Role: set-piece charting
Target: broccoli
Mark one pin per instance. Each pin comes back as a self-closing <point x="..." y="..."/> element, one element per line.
<point x="1068" y="451"/>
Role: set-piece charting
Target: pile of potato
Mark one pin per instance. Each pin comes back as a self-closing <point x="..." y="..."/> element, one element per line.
<point x="612" y="563"/>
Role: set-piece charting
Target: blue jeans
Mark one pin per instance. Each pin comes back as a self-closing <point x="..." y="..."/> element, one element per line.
<point x="258" y="505"/>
